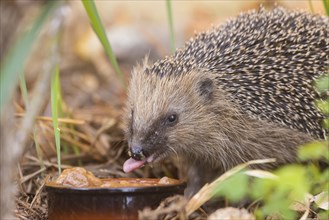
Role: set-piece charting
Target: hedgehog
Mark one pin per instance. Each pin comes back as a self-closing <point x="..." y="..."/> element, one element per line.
<point x="238" y="92"/>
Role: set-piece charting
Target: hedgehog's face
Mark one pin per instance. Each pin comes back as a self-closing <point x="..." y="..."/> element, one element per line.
<point x="163" y="115"/>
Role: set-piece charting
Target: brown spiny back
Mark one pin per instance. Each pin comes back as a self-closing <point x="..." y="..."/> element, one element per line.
<point x="265" y="61"/>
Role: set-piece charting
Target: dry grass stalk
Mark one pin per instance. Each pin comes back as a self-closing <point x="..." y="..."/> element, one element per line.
<point x="62" y="120"/>
<point x="30" y="176"/>
<point x="38" y="192"/>
<point x="36" y="162"/>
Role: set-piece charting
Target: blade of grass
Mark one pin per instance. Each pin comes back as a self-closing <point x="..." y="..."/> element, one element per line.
<point x="62" y="114"/>
<point x="97" y="25"/>
<point x="54" y="110"/>
<point x="171" y="26"/>
<point x="23" y="87"/>
<point x="59" y="97"/>
<point x="326" y="6"/>
<point x="59" y="102"/>
<point x="22" y="84"/>
<point x="14" y="62"/>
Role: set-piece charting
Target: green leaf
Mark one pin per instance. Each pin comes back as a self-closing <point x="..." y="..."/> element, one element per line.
<point x="261" y="187"/>
<point x="325" y="176"/>
<point x="275" y="198"/>
<point x="323" y="215"/>
<point x="293" y="178"/>
<point x="313" y="172"/>
<point x="279" y="204"/>
<point x="97" y="25"/>
<point x="314" y="151"/>
<point x="279" y="193"/>
<point x="234" y="188"/>
<point x="322" y="183"/>
<point x="322" y="84"/>
<point x="14" y="62"/>
<point x="323" y="105"/>
<point x="325" y="123"/>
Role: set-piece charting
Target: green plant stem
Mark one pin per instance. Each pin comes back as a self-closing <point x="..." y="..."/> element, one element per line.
<point x="60" y="109"/>
<point x="326" y="6"/>
<point x="14" y="62"/>
<point x="171" y="26"/>
<point x="100" y="32"/>
<point x="54" y="108"/>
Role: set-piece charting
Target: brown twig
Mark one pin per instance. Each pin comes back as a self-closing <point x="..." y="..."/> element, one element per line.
<point x="62" y="120"/>
<point x="46" y="163"/>
<point x="25" y="205"/>
<point x="37" y="194"/>
<point x="30" y="176"/>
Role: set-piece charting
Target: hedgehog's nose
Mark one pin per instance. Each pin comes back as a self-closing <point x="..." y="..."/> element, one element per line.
<point x="137" y="153"/>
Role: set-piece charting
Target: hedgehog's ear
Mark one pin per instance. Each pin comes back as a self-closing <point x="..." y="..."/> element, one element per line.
<point x="206" y="87"/>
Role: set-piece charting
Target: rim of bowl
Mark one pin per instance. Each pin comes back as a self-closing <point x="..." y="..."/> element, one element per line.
<point x="51" y="187"/>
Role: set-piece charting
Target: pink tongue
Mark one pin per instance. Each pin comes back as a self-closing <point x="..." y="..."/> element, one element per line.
<point x="132" y="164"/>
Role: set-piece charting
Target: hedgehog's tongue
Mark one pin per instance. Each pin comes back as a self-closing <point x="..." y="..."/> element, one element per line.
<point x="132" y="164"/>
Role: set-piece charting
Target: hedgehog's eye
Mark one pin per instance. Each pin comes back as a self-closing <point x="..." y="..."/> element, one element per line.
<point x="172" y="119"/>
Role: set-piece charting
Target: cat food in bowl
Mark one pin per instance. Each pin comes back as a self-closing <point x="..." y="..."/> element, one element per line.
<point x="78" y="194"/>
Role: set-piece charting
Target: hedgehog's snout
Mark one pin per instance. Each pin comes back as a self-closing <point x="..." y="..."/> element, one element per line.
<point x="137" y="153"/>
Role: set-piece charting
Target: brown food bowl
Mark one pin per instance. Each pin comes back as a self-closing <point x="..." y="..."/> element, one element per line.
<point x="108" y="202"/>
